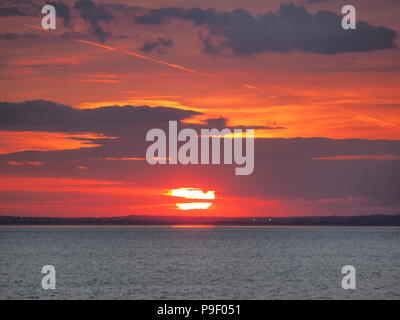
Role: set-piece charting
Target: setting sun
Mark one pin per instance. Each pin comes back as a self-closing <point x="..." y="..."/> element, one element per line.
<point x="193" y="193"/>
<point x="194" y="205"/>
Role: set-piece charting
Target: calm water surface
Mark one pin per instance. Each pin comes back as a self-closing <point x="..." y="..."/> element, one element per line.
<point x="199" y="263"/>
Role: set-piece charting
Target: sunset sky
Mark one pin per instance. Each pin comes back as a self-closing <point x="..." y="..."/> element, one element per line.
<point x="76" y="104"/>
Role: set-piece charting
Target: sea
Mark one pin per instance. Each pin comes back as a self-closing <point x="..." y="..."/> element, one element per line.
<point x="205" y="262"/>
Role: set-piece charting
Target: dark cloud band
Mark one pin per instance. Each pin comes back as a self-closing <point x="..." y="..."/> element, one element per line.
<point x="44" y="115"/>
<point x="290" y="28"/>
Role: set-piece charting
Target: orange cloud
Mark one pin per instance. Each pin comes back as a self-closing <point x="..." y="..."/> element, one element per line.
<point x="22" y="163"/>
<point x="16" y="141"/>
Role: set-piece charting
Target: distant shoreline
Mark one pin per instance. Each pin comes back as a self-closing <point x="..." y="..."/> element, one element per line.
<point x="190" y="227"/>
<point x="178" y="221"/>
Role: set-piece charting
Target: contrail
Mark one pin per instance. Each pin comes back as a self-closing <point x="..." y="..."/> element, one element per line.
<point x="366" y="118"/>
<point x="41" y="29"/>
<point x="131" y="53"/>
<point x="135" y="54"/>
<point x="138" y="55"/>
